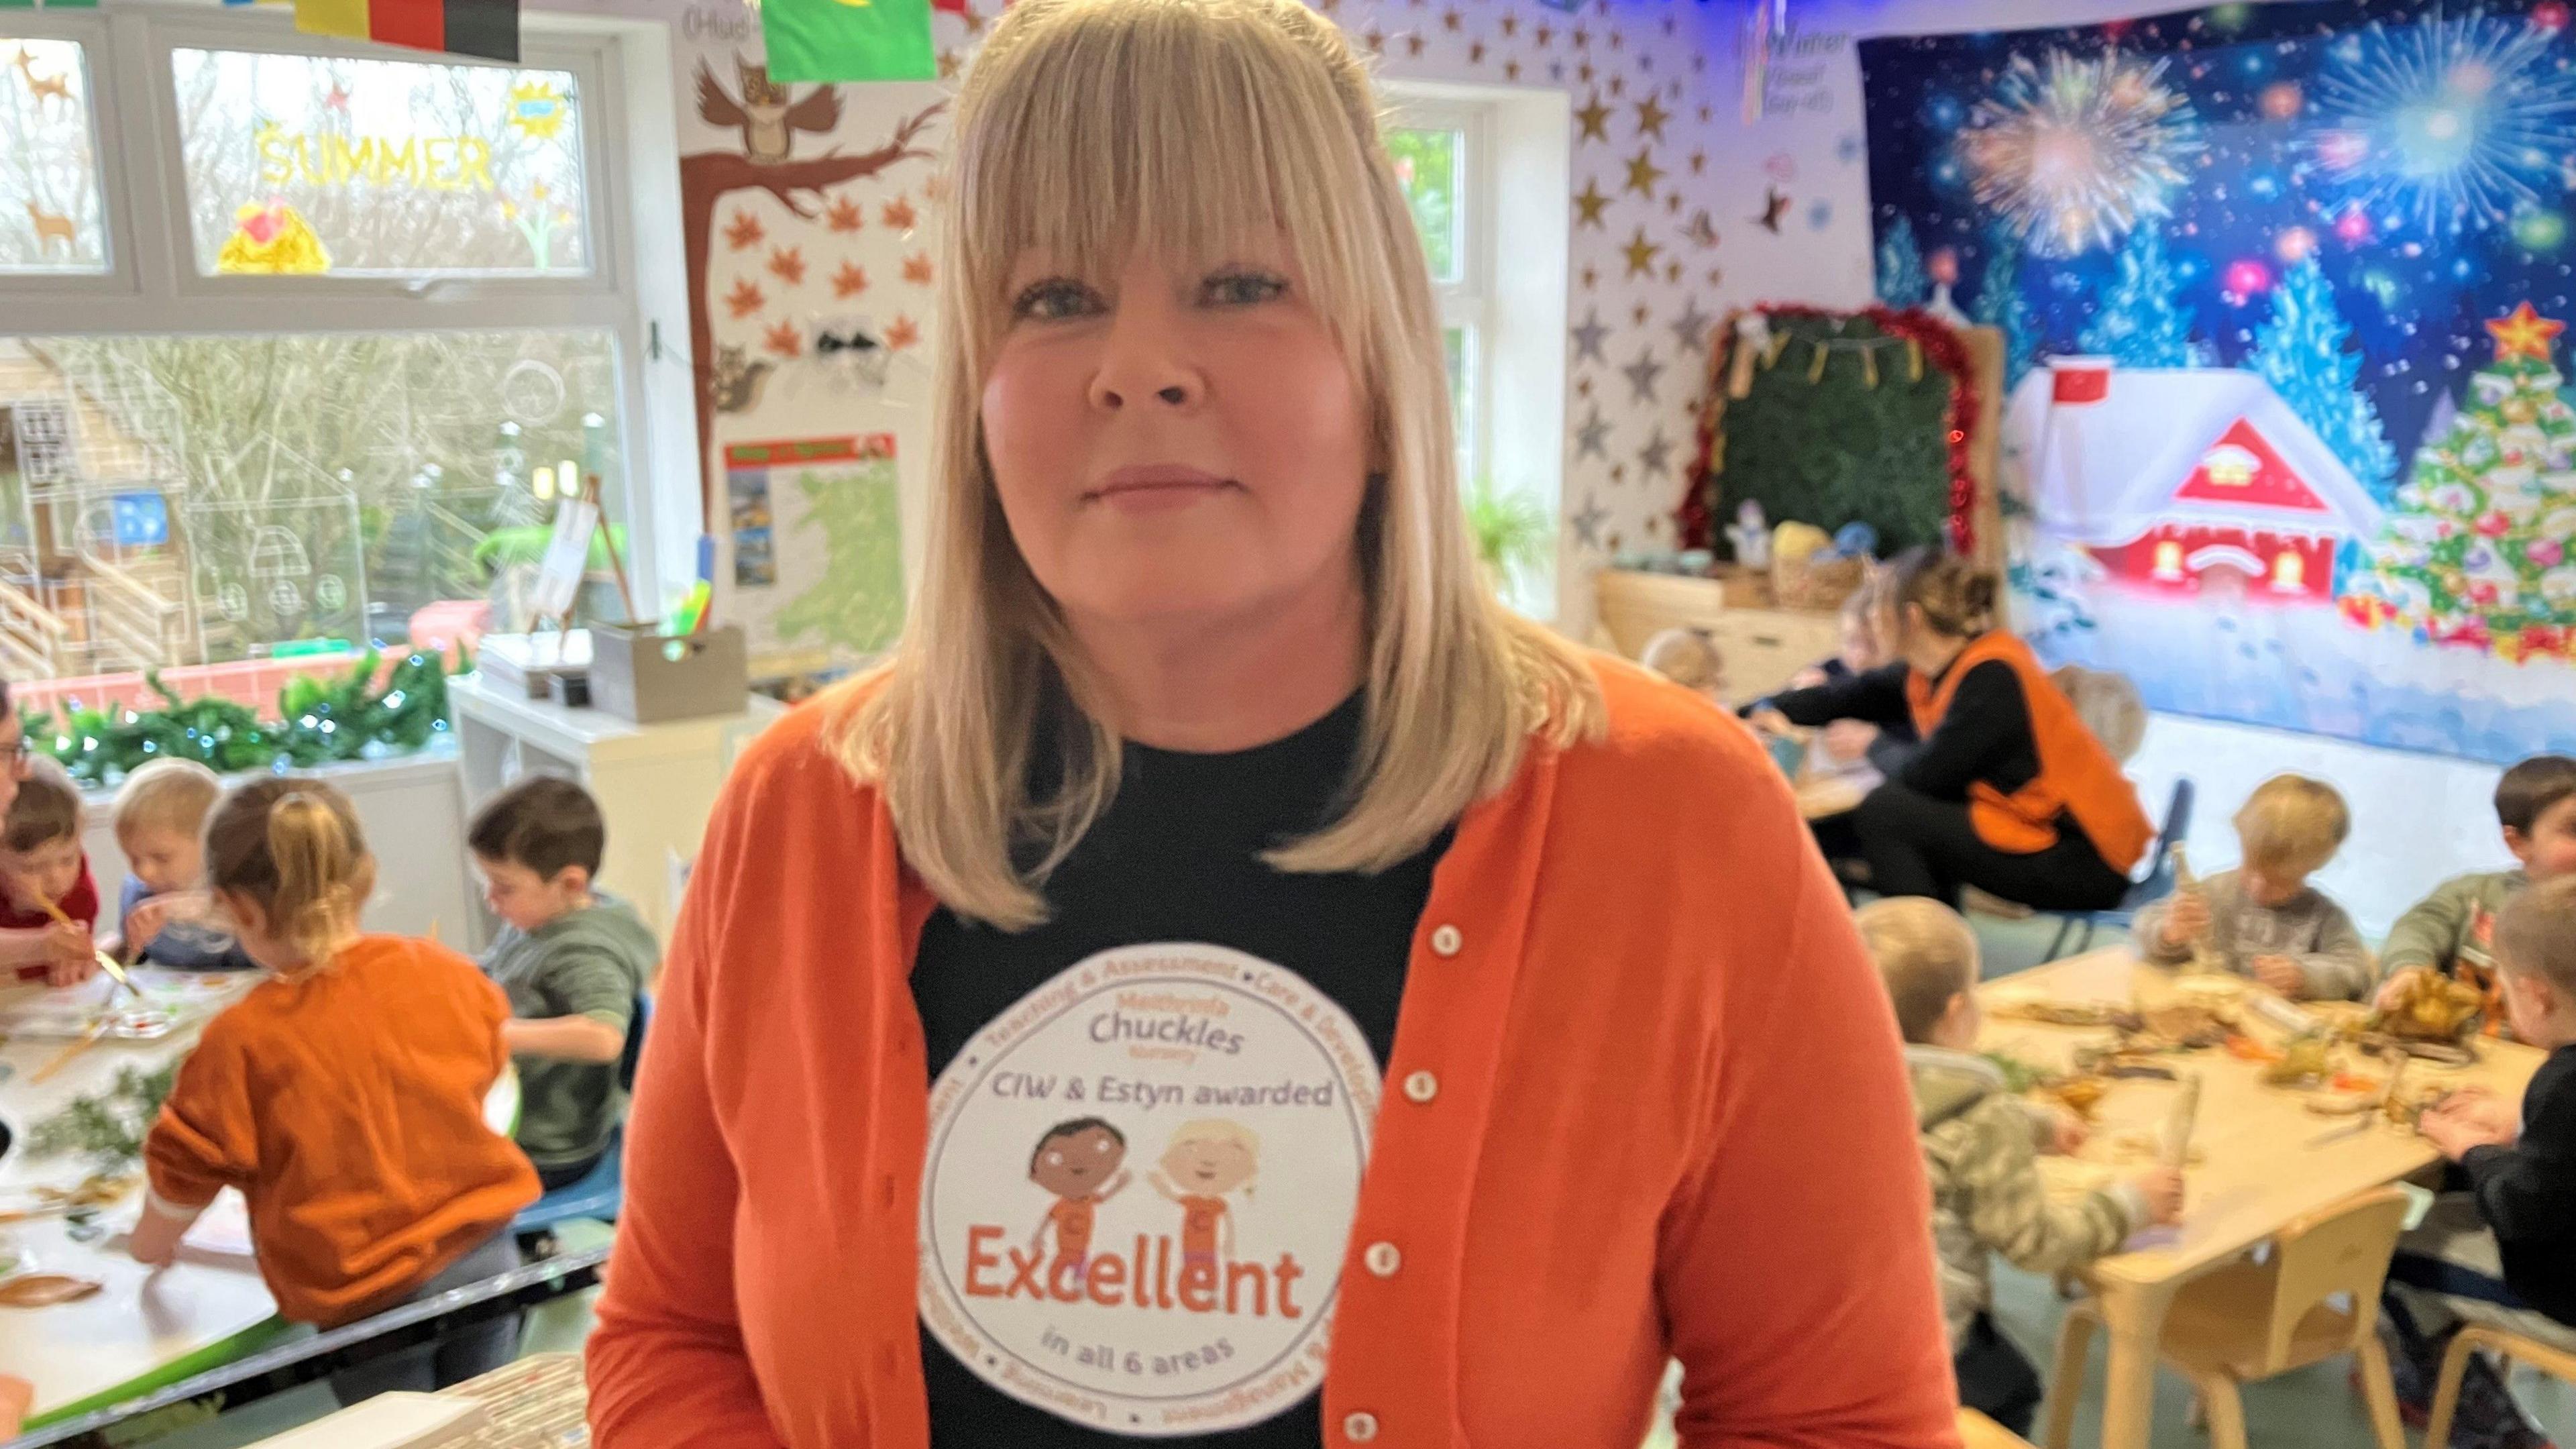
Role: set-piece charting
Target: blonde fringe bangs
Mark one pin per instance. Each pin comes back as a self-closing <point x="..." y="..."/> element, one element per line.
<point x="1093" y="128"/>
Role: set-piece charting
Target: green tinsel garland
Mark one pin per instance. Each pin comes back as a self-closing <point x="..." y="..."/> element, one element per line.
<point x="321" y="720"/>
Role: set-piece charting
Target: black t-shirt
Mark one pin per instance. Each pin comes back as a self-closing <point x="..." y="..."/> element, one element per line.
<point x="1174" y="861"/>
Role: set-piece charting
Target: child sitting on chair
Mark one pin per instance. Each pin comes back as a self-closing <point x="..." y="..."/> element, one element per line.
<point x="48" y="900"/>
<point x="1980" y="1142"/>
<point x="2502" y="1253"/>
<point x="2452" y="930"/>
<point x="2263" y="918"/>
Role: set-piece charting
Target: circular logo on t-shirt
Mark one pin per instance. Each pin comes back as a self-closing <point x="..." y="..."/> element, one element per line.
<point x="1140" y="1182"/>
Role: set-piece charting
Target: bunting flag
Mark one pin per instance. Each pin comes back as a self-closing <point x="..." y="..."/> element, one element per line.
<point x="48" y="4"/>
<point x="846" y="40"/>
<point x="487" y="29"/>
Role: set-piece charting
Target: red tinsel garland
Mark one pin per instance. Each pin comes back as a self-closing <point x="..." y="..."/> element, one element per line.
<point x="1695" y="520"/>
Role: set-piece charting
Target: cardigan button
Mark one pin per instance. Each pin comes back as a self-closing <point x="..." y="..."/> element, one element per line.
<point x="1421" y="1087"/>
<point x="1446" y="941"/>
<point x="1360" y="1428"/>
<point x="1383" y="1259"/>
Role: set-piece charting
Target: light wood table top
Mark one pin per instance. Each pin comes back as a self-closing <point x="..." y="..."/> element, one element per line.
<point x="2263" y="1160"/>
<point x="144" y="1328"/>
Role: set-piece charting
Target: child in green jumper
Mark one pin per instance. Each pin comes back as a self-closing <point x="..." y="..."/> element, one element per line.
<point x="2452" y="931"/>
<point x="574" y="962"/>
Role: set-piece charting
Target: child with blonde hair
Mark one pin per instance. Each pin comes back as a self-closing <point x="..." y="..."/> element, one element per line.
<point x="1206" y="1161"/>
<point x="343" y="1096"/>
<point x="2263" y="918"/>
<point x="1981" y="1143"/>
<point x="1689" y="658"/>
<point x="167" y="917"/>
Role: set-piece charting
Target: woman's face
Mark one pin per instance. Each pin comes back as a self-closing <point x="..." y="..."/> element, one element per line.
<point x="1176" y="447"/>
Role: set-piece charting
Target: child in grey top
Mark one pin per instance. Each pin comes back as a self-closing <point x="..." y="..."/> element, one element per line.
<point x="2264" y="919"/>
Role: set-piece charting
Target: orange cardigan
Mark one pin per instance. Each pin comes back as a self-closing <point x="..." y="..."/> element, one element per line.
<point x="2077" y="774"/>
<point x="1673" y="1121"/>
<point x="348" y="1108"/>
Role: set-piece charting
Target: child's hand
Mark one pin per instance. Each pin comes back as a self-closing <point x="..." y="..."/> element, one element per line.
<point x="144" y="924"/>
<point x="2067" y="1133"/>
<point x="15" y="1395"/>
<point x="1770" y="722"/>
<point x="2456" y="1126"/>
<point x="2394" y="990"/>
<point x="2162" y="1188"/>
<point x="1807" y="678"/>
<point x="70" y="956"/>
<point x="1850" y="739"/>
<point x="2282" y="975"/>
<point x="2187" y="920"/>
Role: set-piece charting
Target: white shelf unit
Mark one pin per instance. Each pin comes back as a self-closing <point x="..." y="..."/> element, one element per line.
<point x="656" y="783"/>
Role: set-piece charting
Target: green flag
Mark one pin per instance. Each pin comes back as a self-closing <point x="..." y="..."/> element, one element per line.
<point x="848" y="40"/>
<point x="48" y="4"/>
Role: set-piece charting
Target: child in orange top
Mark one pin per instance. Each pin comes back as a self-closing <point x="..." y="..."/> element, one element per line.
<point x="343" y="1096"/>
<point x="1079" y="1162"/>
<point x="1205" y="1161"/>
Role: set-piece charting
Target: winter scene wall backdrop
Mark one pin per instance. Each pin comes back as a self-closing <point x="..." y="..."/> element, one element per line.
<point x="2289" y="439"/>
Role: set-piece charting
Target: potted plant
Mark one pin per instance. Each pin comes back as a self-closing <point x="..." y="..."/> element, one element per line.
<point x="1514" y="534"/>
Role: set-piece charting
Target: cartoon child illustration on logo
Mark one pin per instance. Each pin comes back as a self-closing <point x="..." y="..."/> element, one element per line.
<point x="1205" y="1161"/>
<point x="1078" y="1161"/>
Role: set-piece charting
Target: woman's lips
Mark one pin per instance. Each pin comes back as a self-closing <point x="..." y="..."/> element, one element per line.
<point x="1157" y="488"/>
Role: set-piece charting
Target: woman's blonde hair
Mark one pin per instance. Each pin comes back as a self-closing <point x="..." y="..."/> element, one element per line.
<point x="2292" y="824"/>
<point x="1093" y="129"/>
<point x="294" y="847"/>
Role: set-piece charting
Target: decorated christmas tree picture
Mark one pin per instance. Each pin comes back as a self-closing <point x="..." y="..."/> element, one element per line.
<point x="2479" y="553"/>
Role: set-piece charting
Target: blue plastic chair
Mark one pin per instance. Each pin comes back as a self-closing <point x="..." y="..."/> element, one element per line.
<point x="2159" y="882"/>
<point x="602" y="1190"/>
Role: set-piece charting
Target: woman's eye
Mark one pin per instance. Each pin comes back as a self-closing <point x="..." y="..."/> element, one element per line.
<point x="1242" y="289"/>
<point x="1054" y="300"/>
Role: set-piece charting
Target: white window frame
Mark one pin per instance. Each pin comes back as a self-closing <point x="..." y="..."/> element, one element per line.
<point x="152" y="285"/>
<point x="1514" y="180"/>
<point x="1466" y="303"/>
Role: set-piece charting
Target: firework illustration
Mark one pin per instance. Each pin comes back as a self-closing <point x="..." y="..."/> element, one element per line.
<point x="2075" y="153"/>
<point x="2454" y="124"/>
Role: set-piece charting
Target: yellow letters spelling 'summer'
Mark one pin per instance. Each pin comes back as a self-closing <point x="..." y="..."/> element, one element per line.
<point x="431" y="163"/>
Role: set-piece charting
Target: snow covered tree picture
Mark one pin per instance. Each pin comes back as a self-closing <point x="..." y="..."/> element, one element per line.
<point x="2479" y="553"/>
<point x="1902" y="280"/>
<point x="2143" y="322"/>
<point x="2305" y="351"/>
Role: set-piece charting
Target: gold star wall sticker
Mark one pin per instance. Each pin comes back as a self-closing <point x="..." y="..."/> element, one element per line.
<point x="1594" y="118"/>
<point x="1651" y="117"/>
<point x="1589" y="203"/>
<point x="1641" y="254"/>
<point x="1643" y="173"/>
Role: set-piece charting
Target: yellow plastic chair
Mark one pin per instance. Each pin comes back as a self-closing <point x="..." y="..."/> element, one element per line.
<point x="2550" y="1358"/>
<point x="2315" y="1297"/>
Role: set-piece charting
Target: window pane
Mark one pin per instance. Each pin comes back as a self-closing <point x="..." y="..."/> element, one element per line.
<point x="1462" y="399"/>
<point x="51" y="219"/>
<point x="169" y="500"/>
<point x="379" y="167"/>
<point x="1426" y="162"/>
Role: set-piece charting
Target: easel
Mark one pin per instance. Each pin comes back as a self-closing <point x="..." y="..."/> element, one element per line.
<point x="590" y="497"/>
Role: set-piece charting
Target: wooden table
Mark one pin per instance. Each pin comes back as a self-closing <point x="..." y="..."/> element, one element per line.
<point x="1976" y="1431"/>
<point x="144" y="1329"/>
<point x="2265" y="1161"/>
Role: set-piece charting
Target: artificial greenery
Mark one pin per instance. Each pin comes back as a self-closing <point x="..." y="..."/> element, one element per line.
<point x="1512" y="532"/>
<point x="321" y="719"/>
<point x="107" y="1130"/>
<point x="526" y="546"/>
<point x="1859" y="442"/>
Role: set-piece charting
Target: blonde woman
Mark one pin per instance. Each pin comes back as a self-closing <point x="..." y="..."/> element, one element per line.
<point x="1208" y="781"/>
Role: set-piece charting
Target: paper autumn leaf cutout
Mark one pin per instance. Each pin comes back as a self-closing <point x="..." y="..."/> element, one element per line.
<point x="745" y="298"/>
<point x="744" y="232"/>
<point x="916" y="269"/>
<point x="788" y="265"/>
<point x="902" y="334"/>
<point x="899" y="214"/>
<point x="849" y="281"/>
<point x="844" y="215"/>
<point x="784" y="340"/>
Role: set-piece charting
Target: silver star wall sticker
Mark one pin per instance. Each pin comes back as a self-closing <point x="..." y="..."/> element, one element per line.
<point x="1641" y="374"/>
<point x="1589" y="336"/>
<point x="1593" y="438"/>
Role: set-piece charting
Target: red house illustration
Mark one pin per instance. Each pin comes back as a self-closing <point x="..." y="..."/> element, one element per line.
<point x="2175" y="477"/>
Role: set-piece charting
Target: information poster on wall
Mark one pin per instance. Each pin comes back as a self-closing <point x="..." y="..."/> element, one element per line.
<point x="814" y="530"/>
